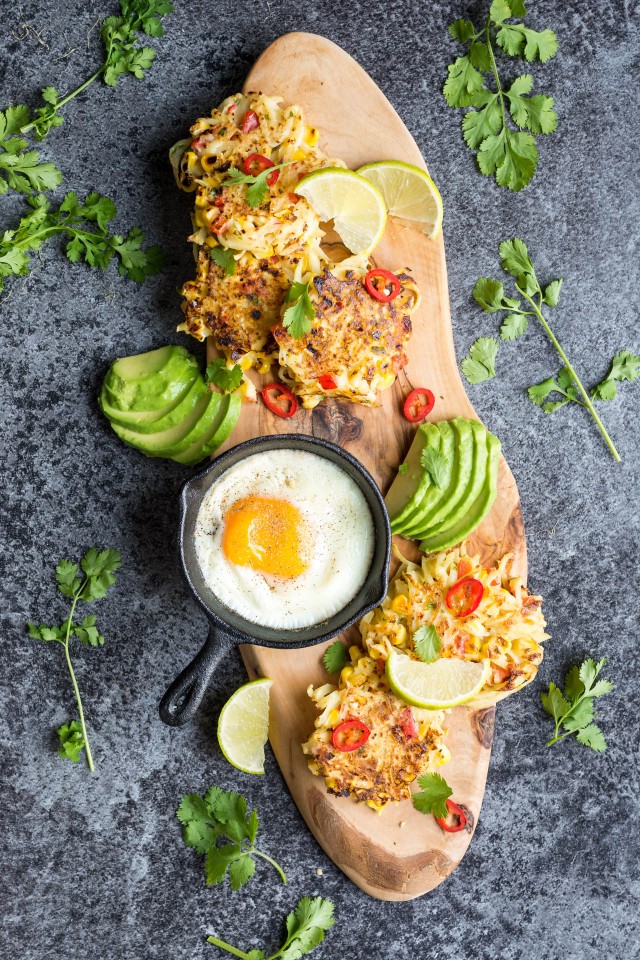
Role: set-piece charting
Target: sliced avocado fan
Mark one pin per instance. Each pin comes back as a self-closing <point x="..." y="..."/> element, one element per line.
<point x="159" y="404"/>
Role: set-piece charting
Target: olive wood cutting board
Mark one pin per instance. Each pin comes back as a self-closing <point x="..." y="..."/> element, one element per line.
<point x="400" y="853"/>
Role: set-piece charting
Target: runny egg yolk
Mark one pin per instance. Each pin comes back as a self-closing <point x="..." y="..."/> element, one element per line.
<point x="264" y="533"/>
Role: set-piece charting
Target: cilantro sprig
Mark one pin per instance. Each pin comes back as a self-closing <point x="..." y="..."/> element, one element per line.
<point x="21" y="169"/>
<point x="572" y="709"/>
<point x="222" y="815"/>
<point x="433" y="796"/>
<point x="306" y="927"/>
<point x="224" y="257"/>
<point x="123" y="53"/>
<point x="427" y="643"/>
<point x="224" y="377"/>
<point x="98" y="575"/>
<point x="435" y="464"/>
<point x="531" y="297"/>
<point x="258" y="188"/>
<point x="335" y="657"/>
<point x="297" y="319"/>
<point x="503" y="122"/>
<point x="85" y="227"/>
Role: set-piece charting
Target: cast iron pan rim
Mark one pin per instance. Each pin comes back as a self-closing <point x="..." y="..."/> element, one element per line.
<point x="284" y="440"/>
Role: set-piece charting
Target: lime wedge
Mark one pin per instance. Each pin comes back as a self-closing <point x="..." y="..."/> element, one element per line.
<point x="410" y="194"/>
<point x="354" y="204"/>
<point x="243" y="726"/>
<point x="438" y="685"/>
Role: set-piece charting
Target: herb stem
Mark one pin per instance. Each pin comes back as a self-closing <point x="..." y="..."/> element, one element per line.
<point x="66" y="98"/>
<point x="587" y="399"/>
<point x="223" y="945"/>
<point x="273" y="863"/>
<point x="65" y="644"/>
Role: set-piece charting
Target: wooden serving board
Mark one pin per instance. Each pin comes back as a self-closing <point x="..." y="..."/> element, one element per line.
<point x="400" y="853"/>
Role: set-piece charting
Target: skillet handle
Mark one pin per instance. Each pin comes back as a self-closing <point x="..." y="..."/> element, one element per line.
<point x="182" y="699"/>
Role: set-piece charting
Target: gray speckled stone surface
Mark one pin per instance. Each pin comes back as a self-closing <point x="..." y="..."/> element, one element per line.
<point x="93" y="866"/>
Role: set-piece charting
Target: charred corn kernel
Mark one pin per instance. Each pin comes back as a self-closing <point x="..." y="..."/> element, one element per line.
<point x="299" y="155"/>
<point x="423" y="729"/>
<point x="265" y="365"/>
<point x="330" y="784"/>
<point x="201" y="200"/>
<point x="399" y="635"/>
<point x="376" y="653"/>
<point x="354" y="653"/>
<point x="210" y="242"/>
<point x="361" y="700"/>
<point x="345" y="673"/>
<point x="333" y="718"/>
<point x="192" y="160"/>
<point x="378" y="807"/>
<point x="312" y="136"/>
<point x="208" y="161"/>
<point x="358" y="680"/>
<point x="245" y="363"/>
<point x="400" y="604"/>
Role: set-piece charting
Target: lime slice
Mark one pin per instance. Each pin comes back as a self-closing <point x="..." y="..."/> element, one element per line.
<point x="410" y="194"/>
<point x="354" y="204"/>
<point x="438" y="685"/>
<point x="243" y="726"/>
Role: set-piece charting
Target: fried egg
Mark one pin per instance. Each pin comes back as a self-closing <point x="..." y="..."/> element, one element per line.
<point x="284" y="538"/>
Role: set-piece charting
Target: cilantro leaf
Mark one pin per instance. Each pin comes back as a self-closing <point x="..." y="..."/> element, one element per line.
<point x="222" y="815"/>
<point x="480" y="364"/>
<point x="435" y="464"/>
<point x="335" y="657"/>
<point x="433" y="796"/>
<point x="427" y="643"/>
<point x="488" y="294"/>
<point x="98" y="567"/>
<point x="306" y="927"/>
<point x="225" y="378"/>
<point x="624" y="366"/>
<point x="592" y="736"/>
<point x="258" y="186"/>
<point x="22" y="169"/>
<point x="71" y="741"/>
<point x="513" y="326"/>
<point x="511" y="156"/>
<point x="574" y="712"/>
<point x="298" y="318"/>
<point x="224" y="257"/>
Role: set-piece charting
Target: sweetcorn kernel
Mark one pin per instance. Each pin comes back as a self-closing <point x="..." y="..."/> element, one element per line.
<point x="299" y="155"/>
<point x="312" y="136"/>
<point x="245" y="363"/>
<point x="400" y="604"/>
<point x="334" y="716"/>
<point x="345" y="673"/>
<point x="355" y="653"/>
<point x="398" y="635"/>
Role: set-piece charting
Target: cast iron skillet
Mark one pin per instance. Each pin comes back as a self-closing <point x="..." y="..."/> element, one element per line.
<point x="227" y="628"/>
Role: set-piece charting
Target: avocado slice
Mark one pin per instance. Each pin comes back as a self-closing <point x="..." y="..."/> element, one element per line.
<point x="434" y="496"/>
<point x="169" y="443"/>
<point x="228" y="413"/>
<point x="477" y="511"/>
<point x="471" y="473"/>
<point x="150" y="381"/>
<point x="409" y="487"/>
<point x="155" y="421"/>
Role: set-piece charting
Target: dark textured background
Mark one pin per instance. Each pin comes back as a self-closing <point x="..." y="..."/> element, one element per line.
<point x="93" y="866"/>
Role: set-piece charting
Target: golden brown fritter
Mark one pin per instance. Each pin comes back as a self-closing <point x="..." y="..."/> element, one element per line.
<point x="238" y="311"/>
<point x="403" y="743"/>
<point x="354" y="339"/>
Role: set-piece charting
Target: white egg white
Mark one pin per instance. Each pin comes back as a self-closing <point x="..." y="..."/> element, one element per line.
<point x="337" y="539"/>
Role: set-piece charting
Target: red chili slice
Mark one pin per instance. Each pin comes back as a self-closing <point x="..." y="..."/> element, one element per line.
<point x="327" y="382"/>
<point x="349" y="735"/>
<point x="386" y="289"/>
<point x="276" y="394"/>
<point x="464" y="596"/>
<point x="455" y="811"/>
<point x="418" y="404"/>
<point x="250" y="121"/>
<point x="408" y="724"/>
<point x="219" y="225"/>
<point x="256" y="163"/>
